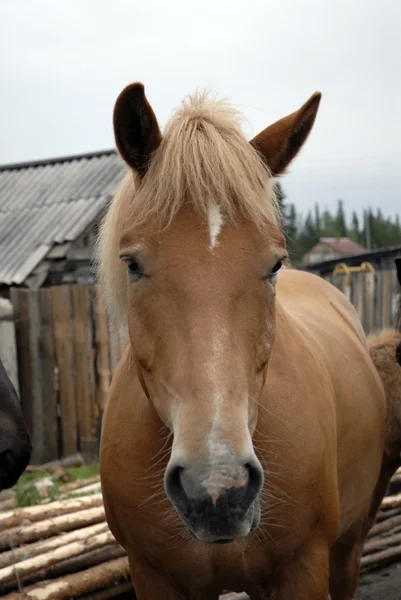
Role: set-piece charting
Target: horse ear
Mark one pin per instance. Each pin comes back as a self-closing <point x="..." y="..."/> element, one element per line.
<point x="281" y="142"/>
<point x="136" y="130"/>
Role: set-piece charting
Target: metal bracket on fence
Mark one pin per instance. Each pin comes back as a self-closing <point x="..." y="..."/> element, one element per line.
<point x="343" y="269"/>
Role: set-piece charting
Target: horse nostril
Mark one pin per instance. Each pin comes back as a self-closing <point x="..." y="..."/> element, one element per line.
<point x="174" y="488"/>
<point x="254" y="483"/>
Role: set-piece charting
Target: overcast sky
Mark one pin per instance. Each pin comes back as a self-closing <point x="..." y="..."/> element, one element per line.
<point x="63" y="63"/>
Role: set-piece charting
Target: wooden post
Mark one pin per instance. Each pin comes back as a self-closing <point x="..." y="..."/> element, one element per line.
<point x="343" y="283"/>
<point x="19" y="299"/>
<point x="357" y="288"/>
<point x="368" y="299"/>
<point x="64" y="335"/>
<point x="378" y="301"/>
<point x="102" y="350"/>
<point x="338" y="281"/>
<point x="114" y="347"/>
<point x="48" y="379"/>
<point x="386" y="298"/>
<point x="84" y="371"/>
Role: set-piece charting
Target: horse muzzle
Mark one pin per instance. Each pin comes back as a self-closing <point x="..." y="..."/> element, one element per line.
<point x="218" y="506"/>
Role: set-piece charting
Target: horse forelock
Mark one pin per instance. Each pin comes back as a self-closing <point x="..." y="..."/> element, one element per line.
<point x="205" y="161"/>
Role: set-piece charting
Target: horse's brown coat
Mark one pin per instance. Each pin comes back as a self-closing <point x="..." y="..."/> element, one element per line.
<point x="381" y="347"/>
<point x="292" y="371"/>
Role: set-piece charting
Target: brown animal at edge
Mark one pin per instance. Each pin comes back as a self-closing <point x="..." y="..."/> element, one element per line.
<point x="384" y="349"/>
<point x="244" y="431"/>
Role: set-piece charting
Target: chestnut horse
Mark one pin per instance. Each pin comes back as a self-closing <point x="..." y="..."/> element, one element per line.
<point x="15" y="443"/>
<point x="244" y="429"/>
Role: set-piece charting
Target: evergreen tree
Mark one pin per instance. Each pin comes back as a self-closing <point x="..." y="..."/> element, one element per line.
<point x="369" y="230"/>
<point x="340" y="224"/>
<point x="291" y="231"/>
<point x="280" y="196"/>
<point x="328" y="224"/>
<point x="309" y="227"/>
<point x="375" y="231"/>
<point x="318" y="224"/>
<point x="354" y="232"/>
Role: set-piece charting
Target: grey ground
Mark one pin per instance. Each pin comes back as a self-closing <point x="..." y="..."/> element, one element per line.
<point x="383" y="584"/>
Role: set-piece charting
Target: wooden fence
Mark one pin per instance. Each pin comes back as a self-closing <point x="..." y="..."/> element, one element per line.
<point x="374" y="296"/>
<point x="66" y="357"/>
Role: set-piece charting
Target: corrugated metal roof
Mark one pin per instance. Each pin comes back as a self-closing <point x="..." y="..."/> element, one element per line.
<point x="50" y="202"/>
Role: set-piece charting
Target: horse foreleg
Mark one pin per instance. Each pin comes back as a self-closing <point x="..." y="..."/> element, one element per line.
<point x="150" y="583"/>
<point x="307" y="576"/>
<point x="344" y="569"/>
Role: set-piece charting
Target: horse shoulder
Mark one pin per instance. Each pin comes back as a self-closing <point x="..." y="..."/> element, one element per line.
<point x="322" y="373"/>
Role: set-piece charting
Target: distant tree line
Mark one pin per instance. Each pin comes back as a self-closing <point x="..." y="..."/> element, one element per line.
<point x="373" y="231"/>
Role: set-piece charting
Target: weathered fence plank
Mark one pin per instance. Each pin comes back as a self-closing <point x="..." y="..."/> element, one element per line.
<point x="357" y="294"/>
<point x="64" y="336"/>
<point x="368" y="298"/>
<point x="102" y="349"/>
<point x="378" y="302"/>
<point x="84" y="370"/>
<point x="386" y="298"/>
<point x="19" y="299"/>
<point x="114" y="347"/>
<point x="49" y="381"/>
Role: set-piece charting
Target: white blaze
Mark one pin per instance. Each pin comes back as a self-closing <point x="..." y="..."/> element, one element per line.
<point x="215" y="223"/>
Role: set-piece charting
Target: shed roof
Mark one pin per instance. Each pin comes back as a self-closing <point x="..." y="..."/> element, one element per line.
<point x="342" y="245"/>
<point x="49" y="202"/>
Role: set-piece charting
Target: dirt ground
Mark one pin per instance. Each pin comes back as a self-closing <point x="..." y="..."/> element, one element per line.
<point x="383" y="584"/>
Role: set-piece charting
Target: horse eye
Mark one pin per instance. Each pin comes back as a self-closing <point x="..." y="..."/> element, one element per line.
<point x="134" y="267"/>
<point x="277" y="267"/>
<point x="272" y="277"/>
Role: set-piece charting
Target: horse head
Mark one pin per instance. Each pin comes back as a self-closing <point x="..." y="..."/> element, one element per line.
<point x="189" y="256"/>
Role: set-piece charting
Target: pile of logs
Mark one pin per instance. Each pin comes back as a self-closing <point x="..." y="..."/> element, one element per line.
<point x="383" y="544"/>
<point x="64" y="549"/>
<point x="61" y="549"/>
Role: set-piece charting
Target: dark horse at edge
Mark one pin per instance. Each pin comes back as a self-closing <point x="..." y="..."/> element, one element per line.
<point x="15" y="442"/>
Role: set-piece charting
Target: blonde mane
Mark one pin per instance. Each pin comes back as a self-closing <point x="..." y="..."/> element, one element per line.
<point x="203" y="159"/>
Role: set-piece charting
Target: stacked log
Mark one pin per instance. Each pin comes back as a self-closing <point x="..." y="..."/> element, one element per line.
<point x="64" y="549"/>
<point x="383" y="544"/>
